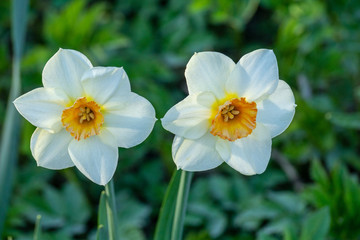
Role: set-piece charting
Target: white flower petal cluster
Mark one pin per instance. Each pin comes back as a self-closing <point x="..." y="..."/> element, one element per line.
<point x="83" y="114"/>
<point x="232" y="112"/>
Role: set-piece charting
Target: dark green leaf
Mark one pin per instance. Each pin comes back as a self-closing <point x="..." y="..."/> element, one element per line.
<point x="346" y="120"/>
<point x="11" y="128"/>
<point x="164" y="223"/>
<point x="102" y="231"/>
<point x="316" y="225"/>
<point x="319" y="174"/>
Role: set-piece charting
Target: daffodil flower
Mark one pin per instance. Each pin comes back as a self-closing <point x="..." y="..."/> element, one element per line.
<point x="231" y="114"/>
<point x="83" y="114"/>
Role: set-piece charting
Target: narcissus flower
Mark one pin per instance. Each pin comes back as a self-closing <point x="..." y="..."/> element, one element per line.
<point x="83" y="114"/>
<point x="231" y="114"/>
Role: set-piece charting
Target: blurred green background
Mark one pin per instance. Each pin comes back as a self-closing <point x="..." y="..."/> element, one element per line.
<point x="310" y="189"/>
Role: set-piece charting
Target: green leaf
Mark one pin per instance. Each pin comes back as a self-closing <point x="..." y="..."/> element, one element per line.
<point x="319" y="174"/>
<point x="19" y="18"/>
<point x="277" y="226"/>
<point x="290" y="232"/>
<point x="75" y="201"/>
<point x="89" y="27"/>
<point x="346" y="120"/>
<point x="265" y="237"/>
<point x="316" y="225"/>
<point x="132" y="216"/>
<point x="351" y="196"/>
<point x="102" y="232"/>
<point x="102" y="220"/>
<point x="287" y="200"/>
<point x="111" y="212"/>
<point x="220" y="188"/>
<point x="164" y="223"/>
<point x="10" y="131"/>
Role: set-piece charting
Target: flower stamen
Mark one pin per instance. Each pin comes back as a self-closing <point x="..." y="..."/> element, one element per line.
<point x="229" y="112"/>
<point x="235" y="119"/>
<point x="83" y="119"/>
<point x="86" y="114"/>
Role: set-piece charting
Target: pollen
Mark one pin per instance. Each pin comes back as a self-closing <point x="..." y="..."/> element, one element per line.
<point x="83" y="119"/>
<point x="234" y="119"/>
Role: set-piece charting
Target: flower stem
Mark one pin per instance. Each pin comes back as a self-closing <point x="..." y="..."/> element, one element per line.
<point x="111" y="211"/>
<point x="37" y="232"/>
<point x="181" y="202"/>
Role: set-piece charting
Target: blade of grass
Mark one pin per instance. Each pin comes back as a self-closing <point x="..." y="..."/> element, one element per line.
<point x="181" y="202"/>
<point x="167" y="210"/>
<point x="10" y="132"/>
<point x="37" y="232"/>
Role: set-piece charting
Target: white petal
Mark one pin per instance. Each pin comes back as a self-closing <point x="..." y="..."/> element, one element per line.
<point x="102" y="82"/>
<point x="190" y="117"/>
<point x="130" y="118"/>
<point x="208" y="71"/>
<point x="277" y="111"/>
<point x="50" y="150"/>
<point x="195" y="155"/>
<point x="250" y="155"/>
<point x="96" y="157"/>
<point x="223" y="147"/>
<point x="261" y="66"/>
<point x="64" y="71"/>
<point x="43" y="107"/>
<point x="238" y="81"/>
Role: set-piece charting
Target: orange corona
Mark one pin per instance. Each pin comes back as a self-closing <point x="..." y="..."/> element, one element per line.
<point x="83" y="119"/>
<point x="234" y="119"/>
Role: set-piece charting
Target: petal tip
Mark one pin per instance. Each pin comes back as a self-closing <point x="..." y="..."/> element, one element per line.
<point x="102" y="183"/>
<point x="15" y="102"/>
<point x="261" y="171"/>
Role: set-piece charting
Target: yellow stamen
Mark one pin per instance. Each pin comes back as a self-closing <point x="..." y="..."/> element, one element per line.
<point x="83" y="119"/>
<point x="235" y="119"/>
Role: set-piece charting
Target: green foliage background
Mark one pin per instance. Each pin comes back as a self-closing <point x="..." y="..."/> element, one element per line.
<point x="310" y="189"/>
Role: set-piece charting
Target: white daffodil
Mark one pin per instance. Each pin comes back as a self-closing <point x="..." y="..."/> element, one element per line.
<point x="231" y="114"/>
<point x="83" y="114"/>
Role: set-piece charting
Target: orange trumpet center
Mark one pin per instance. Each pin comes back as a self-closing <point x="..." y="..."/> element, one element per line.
<point x="83" y="119"/>
<point x="235" y="119"/>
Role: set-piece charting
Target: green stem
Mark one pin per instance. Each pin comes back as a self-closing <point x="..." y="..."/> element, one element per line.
<point x="181" y="202"/>
<point x="111" y="211"/>
<point x="37" y="232"/>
